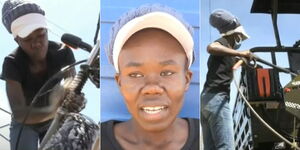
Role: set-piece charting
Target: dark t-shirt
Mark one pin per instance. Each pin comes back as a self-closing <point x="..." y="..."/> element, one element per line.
<point x="109" y="141"/>
<point x="16" y="67"/>
<point x="219" y="75"/>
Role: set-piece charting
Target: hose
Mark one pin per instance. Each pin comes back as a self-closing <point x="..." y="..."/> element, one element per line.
<point x="294" y="145"/>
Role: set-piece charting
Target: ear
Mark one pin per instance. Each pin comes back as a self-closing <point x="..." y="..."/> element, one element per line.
<point x="230" y="39"/>
<point x="117" y="78"/>
<point x="188" y="78"/>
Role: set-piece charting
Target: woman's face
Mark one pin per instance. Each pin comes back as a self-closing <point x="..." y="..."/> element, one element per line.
<point x="153" y="78"/>
<point x="35" y="45"/>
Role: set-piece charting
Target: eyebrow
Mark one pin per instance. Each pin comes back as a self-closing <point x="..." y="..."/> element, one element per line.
<point x="163" y="63"/>
<point x="133" y="64"/>
<point x="168" y="62"/>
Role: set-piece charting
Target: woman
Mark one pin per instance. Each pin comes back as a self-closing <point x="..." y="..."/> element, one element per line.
<point x="151" y="50"/>
<point x="27" y="68"/>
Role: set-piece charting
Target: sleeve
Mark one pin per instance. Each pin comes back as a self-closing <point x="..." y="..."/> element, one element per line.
<point x="222" y="41"/>
<point x="10" y="70"/>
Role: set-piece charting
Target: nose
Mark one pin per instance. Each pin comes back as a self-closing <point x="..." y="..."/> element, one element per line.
<point x="152" y="89"/>
<point x="152" y="86"/>
<point x="37" y="43"/>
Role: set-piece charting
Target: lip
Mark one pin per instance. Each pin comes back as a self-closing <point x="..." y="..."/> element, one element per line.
<point x="154" y="113"/>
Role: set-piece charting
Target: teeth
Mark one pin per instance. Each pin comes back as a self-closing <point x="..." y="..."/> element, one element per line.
<point x="153" y="110"/>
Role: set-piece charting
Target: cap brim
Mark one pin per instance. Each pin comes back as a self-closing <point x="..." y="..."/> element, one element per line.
<point x="29" y="29"/>
<point x="25" y="25"/>
<point x="239" y="29"/>
<point x="160" y="20"/>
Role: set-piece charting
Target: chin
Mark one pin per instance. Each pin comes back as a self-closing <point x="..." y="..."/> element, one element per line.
<point x="43" y="54"/>
<point x="156" y="126"/>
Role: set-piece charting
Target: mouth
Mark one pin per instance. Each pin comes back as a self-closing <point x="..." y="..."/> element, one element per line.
<point x="153" y="109"/>
<point x="154" y="113"/>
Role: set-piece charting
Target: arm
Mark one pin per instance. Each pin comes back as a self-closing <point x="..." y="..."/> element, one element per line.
<point x="216" y="48"/>
<point x="19" y="108"/>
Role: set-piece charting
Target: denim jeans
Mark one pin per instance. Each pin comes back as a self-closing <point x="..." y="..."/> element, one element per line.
<point x="30" y="136"/>
<point x="216" y="121"/>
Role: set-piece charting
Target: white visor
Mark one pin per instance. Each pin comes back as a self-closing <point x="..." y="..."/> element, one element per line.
<point x="160" y="20"/>
<point x="25" y="25"/>
<point x="239" y="29"/>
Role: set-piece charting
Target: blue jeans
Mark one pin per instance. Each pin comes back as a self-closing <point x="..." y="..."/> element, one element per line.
<point x="216" y="121"/>
<point x="30" y="136"/>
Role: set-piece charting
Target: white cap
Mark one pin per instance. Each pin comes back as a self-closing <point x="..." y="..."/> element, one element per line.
<point x="25" y="25"/>
<point x="160" y="20"/>
<point x="238" y="29"/>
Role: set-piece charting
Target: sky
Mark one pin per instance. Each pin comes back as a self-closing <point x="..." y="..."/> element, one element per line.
<point x="258" y="26"/>
<point x="77" y="17"/>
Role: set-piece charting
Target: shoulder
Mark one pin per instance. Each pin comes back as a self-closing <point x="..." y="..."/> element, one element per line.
<point x="108" y="139"/>
<point x="193" y="123"/>
<point x="222" y="41"/>
<point x="193" y="138"/>
<point x="16" y="55"/>
<point x="59" y="52"/>
<point x="56" y="48"/>
<point x="14" y="65"/>
<point x="217" y="45"/>
<point x="107" y="124"/>
<point x="107" y="128"/>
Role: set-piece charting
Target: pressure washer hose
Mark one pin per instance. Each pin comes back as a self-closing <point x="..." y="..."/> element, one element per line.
<point x="294" y="145"/>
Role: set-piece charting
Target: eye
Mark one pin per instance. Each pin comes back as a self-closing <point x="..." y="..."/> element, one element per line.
<point x="41" y="35"/>
<point x="136" y="75"/>
<point x="26" y="39"/>
<point x="166" y="73"/>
